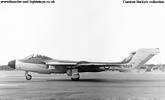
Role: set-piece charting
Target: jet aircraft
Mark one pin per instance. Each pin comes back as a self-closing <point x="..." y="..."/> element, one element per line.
<point x="46" y="65"/>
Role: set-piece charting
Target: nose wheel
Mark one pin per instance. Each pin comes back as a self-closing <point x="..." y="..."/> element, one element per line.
<point x="28" y="76"/>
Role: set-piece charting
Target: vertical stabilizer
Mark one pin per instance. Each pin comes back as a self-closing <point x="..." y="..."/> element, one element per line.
<point x="142" y="56"/>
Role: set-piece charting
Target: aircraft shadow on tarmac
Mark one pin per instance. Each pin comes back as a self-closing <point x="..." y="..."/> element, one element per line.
<point x="102" y="80"/>
<point x="95" y="80"/>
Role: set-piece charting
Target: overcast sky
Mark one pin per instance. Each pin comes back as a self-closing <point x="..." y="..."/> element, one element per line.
<point x="94" y="30"/>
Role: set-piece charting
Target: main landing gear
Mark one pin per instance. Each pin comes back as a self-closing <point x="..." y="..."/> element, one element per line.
<point x="28" y="76"/>
<point x="75" y="77"/>
<point x="74" y="74"/>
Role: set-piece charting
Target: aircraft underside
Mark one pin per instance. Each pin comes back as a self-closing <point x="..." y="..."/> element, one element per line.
<point x="73" y="73"/>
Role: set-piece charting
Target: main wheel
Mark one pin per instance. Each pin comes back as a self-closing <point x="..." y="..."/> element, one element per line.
<point x="28" y="77"/>
<point x="75" y="79"/>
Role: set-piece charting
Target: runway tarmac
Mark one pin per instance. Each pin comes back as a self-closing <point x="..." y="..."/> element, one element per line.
<point x="103" y="85"/>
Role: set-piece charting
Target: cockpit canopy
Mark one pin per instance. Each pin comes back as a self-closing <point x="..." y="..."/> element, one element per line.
<point x="38" y="56"/>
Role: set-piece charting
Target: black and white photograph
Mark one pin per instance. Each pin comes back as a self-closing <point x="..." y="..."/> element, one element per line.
<point x="82" y="50"/>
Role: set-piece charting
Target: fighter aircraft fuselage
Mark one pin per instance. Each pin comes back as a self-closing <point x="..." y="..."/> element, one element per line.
<point x="46" y="65"/>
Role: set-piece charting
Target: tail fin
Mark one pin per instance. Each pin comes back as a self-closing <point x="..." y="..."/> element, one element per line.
<point x="129" y="58"/>
<point x="142" y="56"/>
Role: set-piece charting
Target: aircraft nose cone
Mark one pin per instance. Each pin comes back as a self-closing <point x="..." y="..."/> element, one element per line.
<point x="12" y="64"/>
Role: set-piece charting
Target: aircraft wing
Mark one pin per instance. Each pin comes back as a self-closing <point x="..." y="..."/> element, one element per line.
<point x="55" y="62"/>
<point x="81" y="64"/>
<point x="84" y="64"/>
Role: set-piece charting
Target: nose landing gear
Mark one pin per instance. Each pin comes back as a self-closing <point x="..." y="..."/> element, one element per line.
<point x="28" y="76"/>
